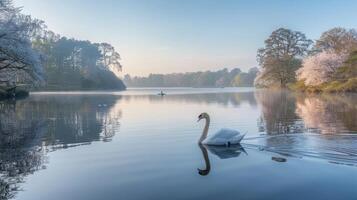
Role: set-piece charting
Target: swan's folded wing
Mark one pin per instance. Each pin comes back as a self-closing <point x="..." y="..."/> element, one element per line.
<point x="222" y="137"/>
<point x="226" y="133"/>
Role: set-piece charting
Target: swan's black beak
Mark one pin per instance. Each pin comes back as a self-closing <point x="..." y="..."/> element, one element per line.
<point x="199" y="118"/>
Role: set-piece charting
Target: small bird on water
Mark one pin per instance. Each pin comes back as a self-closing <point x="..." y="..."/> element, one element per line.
<point x="161" y="93"/>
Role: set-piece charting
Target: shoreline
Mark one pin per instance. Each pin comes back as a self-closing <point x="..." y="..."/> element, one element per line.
<point x="347" y="86"/>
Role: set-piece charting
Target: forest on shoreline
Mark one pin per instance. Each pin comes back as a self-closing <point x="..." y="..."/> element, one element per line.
<point x="220" y="78"/>
<point x="290" y="60"/>
<point x="35" y="58"/>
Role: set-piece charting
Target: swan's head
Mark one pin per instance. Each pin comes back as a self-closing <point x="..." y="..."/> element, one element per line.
<point x="203" y="116"/>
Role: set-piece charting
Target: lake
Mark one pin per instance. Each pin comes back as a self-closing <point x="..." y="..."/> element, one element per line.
<point x="139" y="145"/>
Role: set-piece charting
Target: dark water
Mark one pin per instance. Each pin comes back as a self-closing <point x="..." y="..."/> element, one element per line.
<point x="137" y="145"/>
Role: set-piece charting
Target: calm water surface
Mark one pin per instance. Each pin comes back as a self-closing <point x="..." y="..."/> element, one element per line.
<point x="138" y="145"/>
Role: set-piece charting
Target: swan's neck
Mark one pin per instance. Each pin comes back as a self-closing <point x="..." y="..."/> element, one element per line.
<point x="205" y="131"/>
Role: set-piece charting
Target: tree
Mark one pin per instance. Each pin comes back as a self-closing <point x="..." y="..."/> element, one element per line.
<point x="349" y="68"/>
<point x="110" y="58"/>
<point x="338" y="39"/>
<point x="281" y="57"/>
<point x="78" y="64"/>
<point x="332" y="61"/>
<point x="244" y="79"/>
<point x="320" y="68"/>
<point x="18" y="60"/>
<point x="26" y="46"/>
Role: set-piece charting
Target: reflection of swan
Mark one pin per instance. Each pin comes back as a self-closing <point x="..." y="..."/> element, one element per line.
<point x="204" y="172"/>
<point x="222" y="152"/>
<point x="222" y="137"/>
<point x="227" y="152"/>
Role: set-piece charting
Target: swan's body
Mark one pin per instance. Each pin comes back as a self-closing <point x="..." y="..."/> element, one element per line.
<point x="222" y="137"/>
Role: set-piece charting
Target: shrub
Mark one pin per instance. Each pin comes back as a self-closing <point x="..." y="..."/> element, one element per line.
<point x="334" y="86"/>
<point x="21" y="93"/>
<point x="298" y="85"/>
<point x="3" y="94"/>
<point x="350" y="85"/>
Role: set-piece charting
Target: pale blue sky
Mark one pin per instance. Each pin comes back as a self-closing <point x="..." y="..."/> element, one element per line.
<point x="163" y="36"/>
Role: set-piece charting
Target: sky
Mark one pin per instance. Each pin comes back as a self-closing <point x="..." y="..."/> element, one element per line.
<point x="166" y="36"/>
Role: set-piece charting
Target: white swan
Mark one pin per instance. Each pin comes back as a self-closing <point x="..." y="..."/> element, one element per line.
<point x="222" y="137"/>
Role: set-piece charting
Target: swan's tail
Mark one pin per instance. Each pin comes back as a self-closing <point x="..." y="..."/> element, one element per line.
<point x="243" y="136"/>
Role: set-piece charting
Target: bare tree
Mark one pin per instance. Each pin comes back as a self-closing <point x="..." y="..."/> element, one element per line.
<point x="338" y="39"/>
<point x="110" y="58"/>
<point x="17" y="57"/>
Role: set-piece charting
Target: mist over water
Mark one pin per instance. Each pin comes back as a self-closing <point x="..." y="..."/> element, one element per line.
<point x="138" y="145"/>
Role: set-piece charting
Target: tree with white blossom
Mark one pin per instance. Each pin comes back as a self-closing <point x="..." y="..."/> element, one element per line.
<point x="320" y="68"/>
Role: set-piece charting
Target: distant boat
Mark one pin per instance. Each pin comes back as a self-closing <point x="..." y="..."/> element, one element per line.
<point x="161" y="93"/>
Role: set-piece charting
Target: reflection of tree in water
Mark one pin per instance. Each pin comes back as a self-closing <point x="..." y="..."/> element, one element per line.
<point x="74" y="118"/>
<point x="283" y="112"/>
<point x="18" y="156"/>
<point x="328" y="113"/>
<point x="278" y="112"/>
<point x="28" y="127"/>
<point x="110" y="121"/>
<point x="225" y="99"/>
<point x="15" y="165"/>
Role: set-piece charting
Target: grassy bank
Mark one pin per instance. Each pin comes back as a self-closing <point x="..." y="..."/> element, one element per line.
<point x="350" y="85"/>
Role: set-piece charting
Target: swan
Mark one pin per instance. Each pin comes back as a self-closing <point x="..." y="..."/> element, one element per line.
<point x="225" y="137"/>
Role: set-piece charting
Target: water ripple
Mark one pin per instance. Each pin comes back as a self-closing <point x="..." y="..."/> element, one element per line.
<point x="338" y="149"/>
